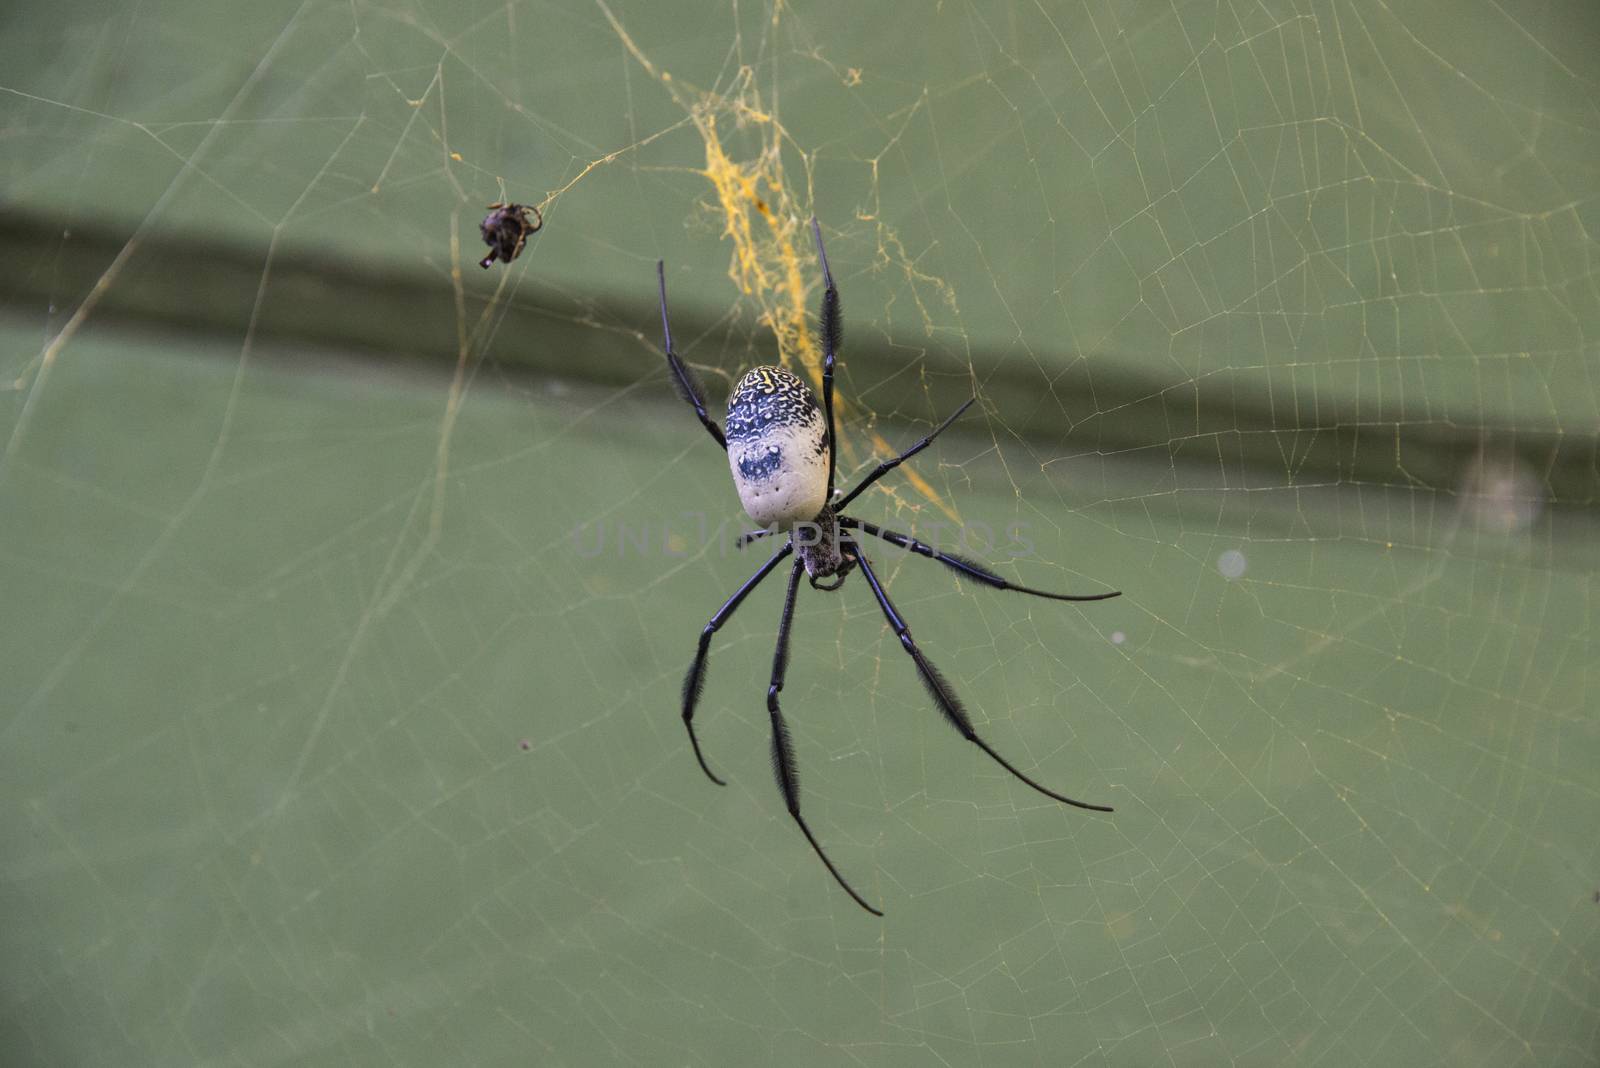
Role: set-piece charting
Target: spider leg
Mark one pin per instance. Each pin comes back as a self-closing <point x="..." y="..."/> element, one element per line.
<point x="683" y="379"/>
<point x="961" y="565"/>
<point x="695" y="681"/>
<point x="831" y="328"/>
<point x="753" y="535"/>
<point x="783" y="763"/>
<point x="940" y="690"/>
<point x="889" y="465"/>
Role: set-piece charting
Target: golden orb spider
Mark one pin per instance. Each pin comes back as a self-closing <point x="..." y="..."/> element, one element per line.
<point x="780" y="451"/>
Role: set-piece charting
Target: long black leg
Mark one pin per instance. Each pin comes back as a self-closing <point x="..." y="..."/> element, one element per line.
<point x="961" y="565"/>
<point x="695" y="680"/>
<point x="753" y="535"/>
<point x="942" y="694"/>
<point x="783" y="764"/>
<point x="889" y="465"/>
<point x="832" y="330"/>
<point x="683" y="379"/>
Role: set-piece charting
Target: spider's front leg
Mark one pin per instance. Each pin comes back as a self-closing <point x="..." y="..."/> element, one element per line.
<point x="890" y="464"/>
<point x="683" y="379"/>
<point x="783" y="762"/>
<point x="962" y="566"/>
<point x="939" y="688"/>
<point x="695" y="681"/>
<point x="832" y="329"/>
<point x="753" y="535"/>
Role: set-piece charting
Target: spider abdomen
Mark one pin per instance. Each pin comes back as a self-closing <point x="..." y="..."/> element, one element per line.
<point x="777" y="447"/>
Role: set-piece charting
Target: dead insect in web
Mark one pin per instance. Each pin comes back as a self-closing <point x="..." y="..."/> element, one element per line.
<point x="505" y="230"/>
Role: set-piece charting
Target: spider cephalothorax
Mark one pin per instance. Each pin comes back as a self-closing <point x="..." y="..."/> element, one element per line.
<point x="780" y="446"/>
<point x="820" y="546"/>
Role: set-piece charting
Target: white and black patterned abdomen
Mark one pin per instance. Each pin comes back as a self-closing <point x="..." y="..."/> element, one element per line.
<point x="777" y="447"/>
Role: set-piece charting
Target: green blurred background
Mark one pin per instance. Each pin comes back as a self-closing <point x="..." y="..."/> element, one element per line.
<point x="339" y="719"/>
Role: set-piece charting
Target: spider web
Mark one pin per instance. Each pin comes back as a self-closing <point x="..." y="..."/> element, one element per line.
<point x="350" y="587"/>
